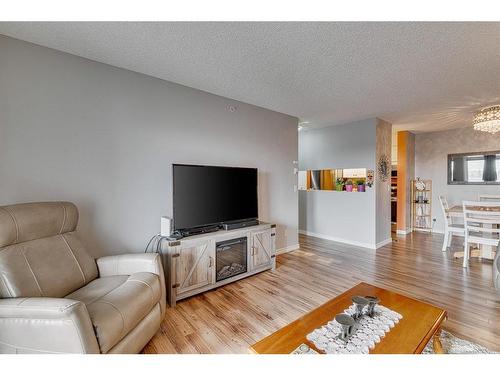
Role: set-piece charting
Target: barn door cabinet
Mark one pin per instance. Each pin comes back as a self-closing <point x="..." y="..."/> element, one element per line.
<point x="261" y="249"/>
<point x="191" y="263"/>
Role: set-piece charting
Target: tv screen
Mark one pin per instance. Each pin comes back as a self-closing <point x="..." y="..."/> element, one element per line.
<point x="206" y="195"/>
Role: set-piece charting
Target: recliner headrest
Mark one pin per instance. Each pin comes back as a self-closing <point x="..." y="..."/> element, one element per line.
<point x="30" y="221"/>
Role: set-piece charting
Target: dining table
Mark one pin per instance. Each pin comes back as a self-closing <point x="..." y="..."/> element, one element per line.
<point x="485" y="251"/>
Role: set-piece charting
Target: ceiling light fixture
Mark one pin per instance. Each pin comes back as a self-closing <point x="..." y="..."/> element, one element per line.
<point x="487" y="119"/>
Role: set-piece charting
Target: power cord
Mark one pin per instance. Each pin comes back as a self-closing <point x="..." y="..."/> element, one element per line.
<point x="149" y="243"/>
<point x="154" y="244"/>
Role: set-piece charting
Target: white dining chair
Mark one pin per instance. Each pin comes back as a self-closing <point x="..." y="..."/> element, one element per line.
<point x="450" y="228"/>
<point x="496" y="271"/>
<point x="489" y="198"/>
<point x="481" y="220"/>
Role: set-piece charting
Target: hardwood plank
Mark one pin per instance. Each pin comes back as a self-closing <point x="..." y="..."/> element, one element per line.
<point x="232" y="318"/>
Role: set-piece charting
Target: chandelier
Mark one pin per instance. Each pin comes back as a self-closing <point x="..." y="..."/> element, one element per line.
<point x="487" y="120"/>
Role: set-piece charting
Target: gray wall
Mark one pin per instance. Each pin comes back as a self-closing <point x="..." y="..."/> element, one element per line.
<point x="105" y="138"/>
<point x="340" y="216"/>
<point x="431" y="151"/>
<point x="345" y="146"/>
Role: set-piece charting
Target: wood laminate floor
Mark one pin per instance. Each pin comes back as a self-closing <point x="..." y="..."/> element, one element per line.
<point x="233" y="317"/>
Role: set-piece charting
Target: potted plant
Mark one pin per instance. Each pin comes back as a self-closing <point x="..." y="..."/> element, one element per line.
<point x="339" y="184"/>
<point x="348" y="185"/>
<point x="361" y="186"/>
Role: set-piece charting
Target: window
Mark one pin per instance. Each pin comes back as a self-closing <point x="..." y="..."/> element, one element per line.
<point x="479" y="168"/>
<point x="475" y="169"/>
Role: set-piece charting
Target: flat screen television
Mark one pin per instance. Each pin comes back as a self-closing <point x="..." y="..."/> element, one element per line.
<point x="208" y="195"/>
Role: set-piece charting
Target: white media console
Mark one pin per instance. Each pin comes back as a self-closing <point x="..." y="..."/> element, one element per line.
<point x="202" y="262"/>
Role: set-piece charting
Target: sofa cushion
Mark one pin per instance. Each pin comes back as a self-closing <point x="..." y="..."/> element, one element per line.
<point x="116" y="304"/>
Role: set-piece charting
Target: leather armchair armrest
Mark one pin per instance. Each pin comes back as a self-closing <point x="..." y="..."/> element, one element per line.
<point x="128" y="264"/>
<point x="45" y="325"/>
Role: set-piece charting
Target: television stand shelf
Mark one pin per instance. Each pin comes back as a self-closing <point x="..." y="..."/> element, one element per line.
<point x="195" y="264"/>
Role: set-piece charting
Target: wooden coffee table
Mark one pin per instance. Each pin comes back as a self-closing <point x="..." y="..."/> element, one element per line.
<point x="421" y="322"/>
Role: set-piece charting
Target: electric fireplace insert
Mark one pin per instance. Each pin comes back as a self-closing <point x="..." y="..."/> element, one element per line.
<point x="231" y="258"/>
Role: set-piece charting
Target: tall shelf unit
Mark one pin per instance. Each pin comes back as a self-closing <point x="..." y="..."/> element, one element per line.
<point x="421" y="205"/>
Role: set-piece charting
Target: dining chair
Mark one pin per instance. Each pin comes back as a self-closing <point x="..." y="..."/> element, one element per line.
<point x="489" y="198"/>
<point x="450" y="228"/>
<point x="481" y="220"/>
<point x="496" y="271"/>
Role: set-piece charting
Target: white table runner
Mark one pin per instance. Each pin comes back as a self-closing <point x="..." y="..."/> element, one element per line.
<point x="369" y="332"/>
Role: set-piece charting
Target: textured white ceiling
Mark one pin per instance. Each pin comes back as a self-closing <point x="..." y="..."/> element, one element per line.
<point x="419" y="76"/>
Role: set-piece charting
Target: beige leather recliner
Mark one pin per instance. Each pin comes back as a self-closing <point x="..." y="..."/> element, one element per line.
<point x="55" y="298"/>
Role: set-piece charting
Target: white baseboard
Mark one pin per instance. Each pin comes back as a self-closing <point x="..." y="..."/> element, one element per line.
<point x="384" y="242"/>
<point x="428" y="231"/>
<point x="400" y="232"/>
<point x="287" y="249"/>
<point x="408" y="231"/>
<point x="343" y="240"/>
